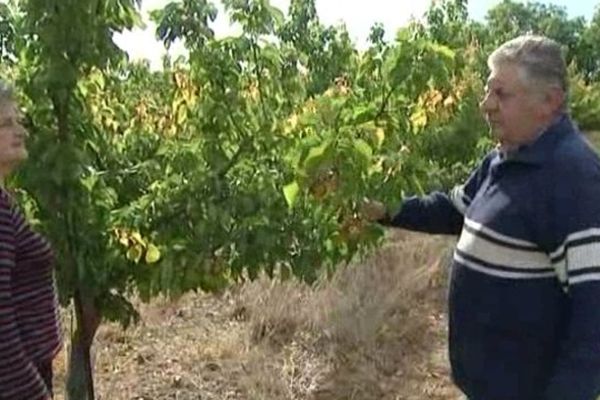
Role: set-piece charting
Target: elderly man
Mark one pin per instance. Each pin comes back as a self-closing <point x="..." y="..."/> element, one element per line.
<point x="524" y="299"/>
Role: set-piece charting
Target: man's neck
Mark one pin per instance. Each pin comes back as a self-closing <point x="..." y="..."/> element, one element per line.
<point x="538" y="131"/>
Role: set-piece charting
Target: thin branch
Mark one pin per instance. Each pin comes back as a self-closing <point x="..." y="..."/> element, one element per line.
<point x="258" y="72"/>
<point x="384" y="103"/>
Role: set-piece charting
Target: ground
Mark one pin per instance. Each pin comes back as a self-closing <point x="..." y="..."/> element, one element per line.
<point x="376" y="330"/>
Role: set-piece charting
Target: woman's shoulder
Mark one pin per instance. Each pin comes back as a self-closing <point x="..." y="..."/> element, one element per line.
<point x="5" y="199"/>
<point x="7" y="205"/>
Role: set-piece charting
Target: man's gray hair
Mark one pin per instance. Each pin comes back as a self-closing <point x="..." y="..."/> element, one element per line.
<point x="540" y="59"/>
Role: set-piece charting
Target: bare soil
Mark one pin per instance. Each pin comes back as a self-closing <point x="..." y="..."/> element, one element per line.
<point x="376" y="330"/>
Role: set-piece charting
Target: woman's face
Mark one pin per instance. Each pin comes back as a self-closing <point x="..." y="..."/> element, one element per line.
<point x="12" y="137"/>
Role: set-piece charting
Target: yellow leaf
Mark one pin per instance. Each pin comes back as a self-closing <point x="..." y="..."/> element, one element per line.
<point x="124" y="240"/>
<point x="419" y="119"/>
<point x="376" y="168"/>
<point x="254" y="92"/>
<point x="135" y="253"/>
<point x="291" y="123"/>
<point x="152" y="254"/>
<point x="137" y="237"/>
<point x="379" y="136"/>
<point x="436" y="98"/>
<point x="449" y="101"/>
<point x="181" y="115"/>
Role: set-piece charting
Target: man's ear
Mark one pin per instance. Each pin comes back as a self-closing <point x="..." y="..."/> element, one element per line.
<point x="555" y="97"/>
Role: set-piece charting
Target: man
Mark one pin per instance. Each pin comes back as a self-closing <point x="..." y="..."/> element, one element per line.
<point x="524" y="299"/>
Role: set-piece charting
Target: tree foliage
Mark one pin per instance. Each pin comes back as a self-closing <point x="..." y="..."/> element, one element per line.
<point x="253" y="153"/>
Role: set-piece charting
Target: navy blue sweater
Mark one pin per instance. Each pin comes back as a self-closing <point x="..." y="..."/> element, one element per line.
<point x="524" y="299"/>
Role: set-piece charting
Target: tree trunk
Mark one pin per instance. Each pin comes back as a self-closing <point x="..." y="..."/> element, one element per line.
<point x="80" y="379"/>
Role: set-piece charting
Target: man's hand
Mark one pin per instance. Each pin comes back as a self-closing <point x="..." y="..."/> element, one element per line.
<point x="373" y="211"/>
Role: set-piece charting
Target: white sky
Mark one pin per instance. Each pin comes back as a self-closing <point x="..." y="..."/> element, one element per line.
<point x="357" y="15"/>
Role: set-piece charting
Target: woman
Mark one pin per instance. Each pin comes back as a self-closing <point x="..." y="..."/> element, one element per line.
<point x="29" y="329"/>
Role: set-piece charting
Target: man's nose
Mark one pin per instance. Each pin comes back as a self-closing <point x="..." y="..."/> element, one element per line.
<point x="487" y="104"/>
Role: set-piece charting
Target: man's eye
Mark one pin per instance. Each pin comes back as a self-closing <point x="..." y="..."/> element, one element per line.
<point x="502" y="94"/>
<point x="499" y="93"/>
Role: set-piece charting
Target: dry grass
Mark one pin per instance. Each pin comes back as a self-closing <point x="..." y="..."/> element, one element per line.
<point x="374" y="331"/>
<point x="358" y="335"/>
<point x="594" y="137"/>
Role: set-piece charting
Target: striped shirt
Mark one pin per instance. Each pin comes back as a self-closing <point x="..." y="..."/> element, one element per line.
<point x="524" y="298"/>
<point x="29" y="327"/>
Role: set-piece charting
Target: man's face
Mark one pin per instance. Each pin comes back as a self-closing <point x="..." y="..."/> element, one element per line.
<point x="512" y="109"/>
<point x="12" y="136"/>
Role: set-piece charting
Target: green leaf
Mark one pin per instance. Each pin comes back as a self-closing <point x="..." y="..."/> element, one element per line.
<point x="415" y="180"/>
<point x="89" y="182"/>
<point x="290" y="192"/>
<point x="363" y="148"/>
<point x="364" y="113"/>
<point x="315" y="155"/>
<point x="443" y="50"/>
<point x="276" y="14"/>
<point x="97" y="79"/>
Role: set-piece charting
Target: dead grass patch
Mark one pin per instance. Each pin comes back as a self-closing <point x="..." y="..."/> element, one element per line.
<point x="376" y="330"/>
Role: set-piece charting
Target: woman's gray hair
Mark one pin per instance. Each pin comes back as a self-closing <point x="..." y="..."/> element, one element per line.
<point x="540" y="59"/>
<point x="7" y="92"/>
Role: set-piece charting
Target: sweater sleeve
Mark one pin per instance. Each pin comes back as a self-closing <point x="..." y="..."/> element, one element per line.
<point x="439" y="212"/>
<point x="574" y="236"/>
<point x="19" y="379"/>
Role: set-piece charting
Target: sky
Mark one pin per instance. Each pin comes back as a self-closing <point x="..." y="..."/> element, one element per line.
<point x="357" y="15"/>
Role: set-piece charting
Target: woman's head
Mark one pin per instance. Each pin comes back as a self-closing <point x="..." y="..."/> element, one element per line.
<point x="12" y="133"/>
